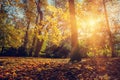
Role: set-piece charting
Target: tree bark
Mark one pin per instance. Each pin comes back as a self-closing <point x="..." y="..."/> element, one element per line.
<point x="2" y="50"/>
<point x="111" y="42"/>
<point x="39" y="43"/>
<point x="75" y="55"/>
<point x="33" y="45"/>
<point x="26" y="35"/>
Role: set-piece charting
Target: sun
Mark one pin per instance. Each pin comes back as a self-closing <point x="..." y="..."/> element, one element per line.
<point x="92" y="22"/>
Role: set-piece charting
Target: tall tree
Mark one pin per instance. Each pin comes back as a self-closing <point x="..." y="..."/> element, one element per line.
<point x="28" y="25"/>
<point x="75" y="55"/>
<point x="111" y="42"/>
<point x="39" y="43"/>
<point x="2" y="12"/>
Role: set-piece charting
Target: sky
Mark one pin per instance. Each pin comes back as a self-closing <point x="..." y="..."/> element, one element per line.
<point x="52" y="1"/>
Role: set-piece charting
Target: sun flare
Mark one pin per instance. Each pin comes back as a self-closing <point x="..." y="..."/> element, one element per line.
<point x="92" y="22"/>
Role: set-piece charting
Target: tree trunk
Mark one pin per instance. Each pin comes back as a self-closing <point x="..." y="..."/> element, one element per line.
<point x="33" y="45"/>
<point x="2" y="50"/>
<point x="39" y="43"/>
<point x="75" y="55"/>
<point x="111" y="42"/>
<point x="38" y="47"/>
<point x="2" y="8"/>
<point x="26" y="35"/>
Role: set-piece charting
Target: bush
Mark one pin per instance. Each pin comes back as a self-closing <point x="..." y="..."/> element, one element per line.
<point x="20" y="52"/>
<point x="9" y="52"/>
<point x="56" y="52"/>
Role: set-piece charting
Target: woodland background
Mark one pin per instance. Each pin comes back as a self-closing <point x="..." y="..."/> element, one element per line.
<point x="41" y="28"/>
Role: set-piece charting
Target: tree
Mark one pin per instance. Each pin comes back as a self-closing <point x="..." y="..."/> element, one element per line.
<point x="111" y="42"/>
<point x="26" y="10"/>
<point x="39" y="17"/>
<point x="9" y="35"/>
<point x="75" y="55"/>
<point x="37" y="43"/>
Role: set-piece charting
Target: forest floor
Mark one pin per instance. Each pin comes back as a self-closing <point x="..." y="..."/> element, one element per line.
<point x="12" y="68"/>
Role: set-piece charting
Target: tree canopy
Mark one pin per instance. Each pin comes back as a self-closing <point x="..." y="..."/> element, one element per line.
<point x="52" y="30"/>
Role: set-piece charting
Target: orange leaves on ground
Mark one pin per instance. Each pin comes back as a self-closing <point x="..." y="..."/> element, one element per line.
<point x="59" y="69"/>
